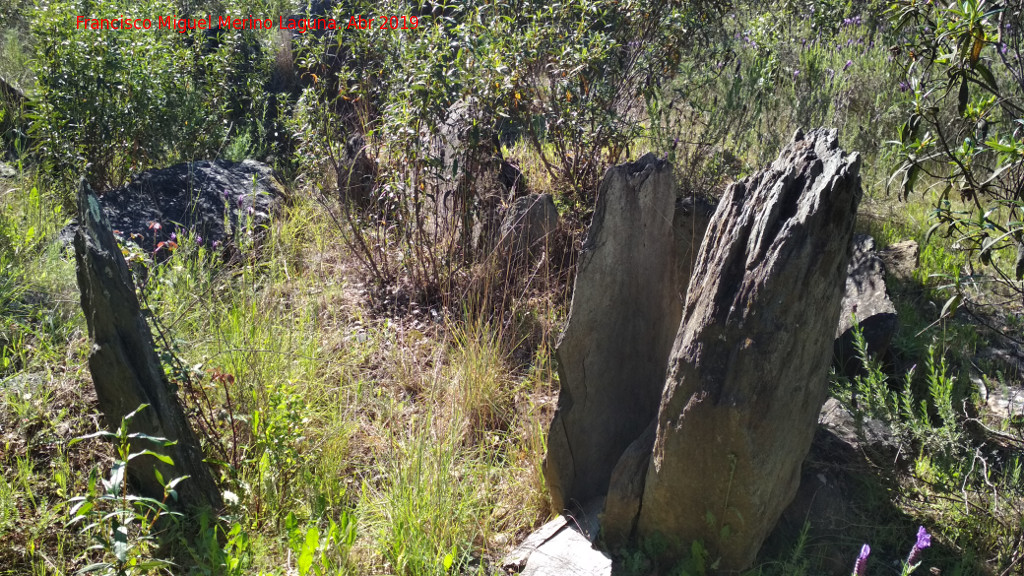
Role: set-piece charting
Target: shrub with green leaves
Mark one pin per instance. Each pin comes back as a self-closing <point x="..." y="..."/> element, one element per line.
<point x="963" y="134"/>
<point x="121" y="101"/>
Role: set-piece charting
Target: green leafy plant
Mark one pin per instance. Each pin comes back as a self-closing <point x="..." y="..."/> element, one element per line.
<point x="962" y="137"/>
<point x="125" y="100"/>
<point x="125" y="526"/>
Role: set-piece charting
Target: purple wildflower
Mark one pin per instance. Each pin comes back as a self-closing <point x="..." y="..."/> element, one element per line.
<point x="861" y="566"/>
<point x="199" y="239"/>
<point x="1003" y="48"/>
<point x="848" y="64"/>
<point x="924" y="540"/>
<point x="795" y="74"/>
<point x="174" y="237"/>
<point x="904" y="86"/>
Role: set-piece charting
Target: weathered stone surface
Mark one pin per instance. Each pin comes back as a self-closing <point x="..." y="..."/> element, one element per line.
<point x="125" y="368"/>
<point x="527" y="224"/>
<point x="626" y="490"/>
<point x="562" y="546"/>
<point x="871" y="434"/>
<point x="900" y="259"/>
<point x="748" y="367"/>
<point x="193" y="198"/>
<point x="517" y="559"/>
<point x="568" y="552"/>
<point x="838" y="494"/>
<point x="865" y="299"/>
<point x="1001" y="395"/>
<point x="11" y="94"/>
<point x="689" y="224"/>
<point x="625" y="310"/>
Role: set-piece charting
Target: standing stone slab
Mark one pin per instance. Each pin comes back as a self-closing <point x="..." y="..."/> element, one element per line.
<point x="747" y="374"/>
<point x="125" y="368"/>
<point x="625" y="310"/>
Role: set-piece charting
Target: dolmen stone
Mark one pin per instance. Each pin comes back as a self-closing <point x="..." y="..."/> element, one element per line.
<point x="625" y="310"/>
<point x="357" y="172"/>
<point x="748" y="368"/>
<point x="900" y="259"/>
<point x="126" y="370"/>
<point x="211" y="201"/>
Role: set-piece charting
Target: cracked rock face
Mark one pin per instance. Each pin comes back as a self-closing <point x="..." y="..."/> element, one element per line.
<point x="625" y="311"/>
<point x="747" y="372"/>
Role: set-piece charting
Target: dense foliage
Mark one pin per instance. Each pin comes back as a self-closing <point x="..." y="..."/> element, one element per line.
<point x="964" y="65"/>
<point x="373" y="381"/>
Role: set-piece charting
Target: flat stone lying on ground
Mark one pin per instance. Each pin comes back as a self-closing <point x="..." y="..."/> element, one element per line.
<point x="529" y="222"/>
<point x="866" y="304"/>
<point x="563" y="546"/>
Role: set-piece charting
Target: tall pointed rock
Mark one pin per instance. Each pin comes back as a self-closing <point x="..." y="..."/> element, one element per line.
<point x="747" y="374"/>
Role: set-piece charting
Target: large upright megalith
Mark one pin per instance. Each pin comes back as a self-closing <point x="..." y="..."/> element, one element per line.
<point x="625" y="310"/>
<point x="125" y="368"/>
<point x="747" y="374"/>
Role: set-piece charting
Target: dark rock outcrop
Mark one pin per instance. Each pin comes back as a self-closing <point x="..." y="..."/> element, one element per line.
<point x="212" y="201"/>
<point x="625" y="311"/>
<point x="747" y="373"/>
<point x="837" y="500"/>
<point x="12" y="95"/>
<point x="125" y="368"/>
<point x="867" y="303"/>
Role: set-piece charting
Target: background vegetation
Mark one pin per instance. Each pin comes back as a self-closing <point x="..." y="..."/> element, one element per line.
<point x="375" y="396"/>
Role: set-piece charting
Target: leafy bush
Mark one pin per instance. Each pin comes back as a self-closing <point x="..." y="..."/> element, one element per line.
<point x="123" y="101"/>
<point x="582" y="71"/>
<point x="962" y="136"/>
<point x="567" y="80"/>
